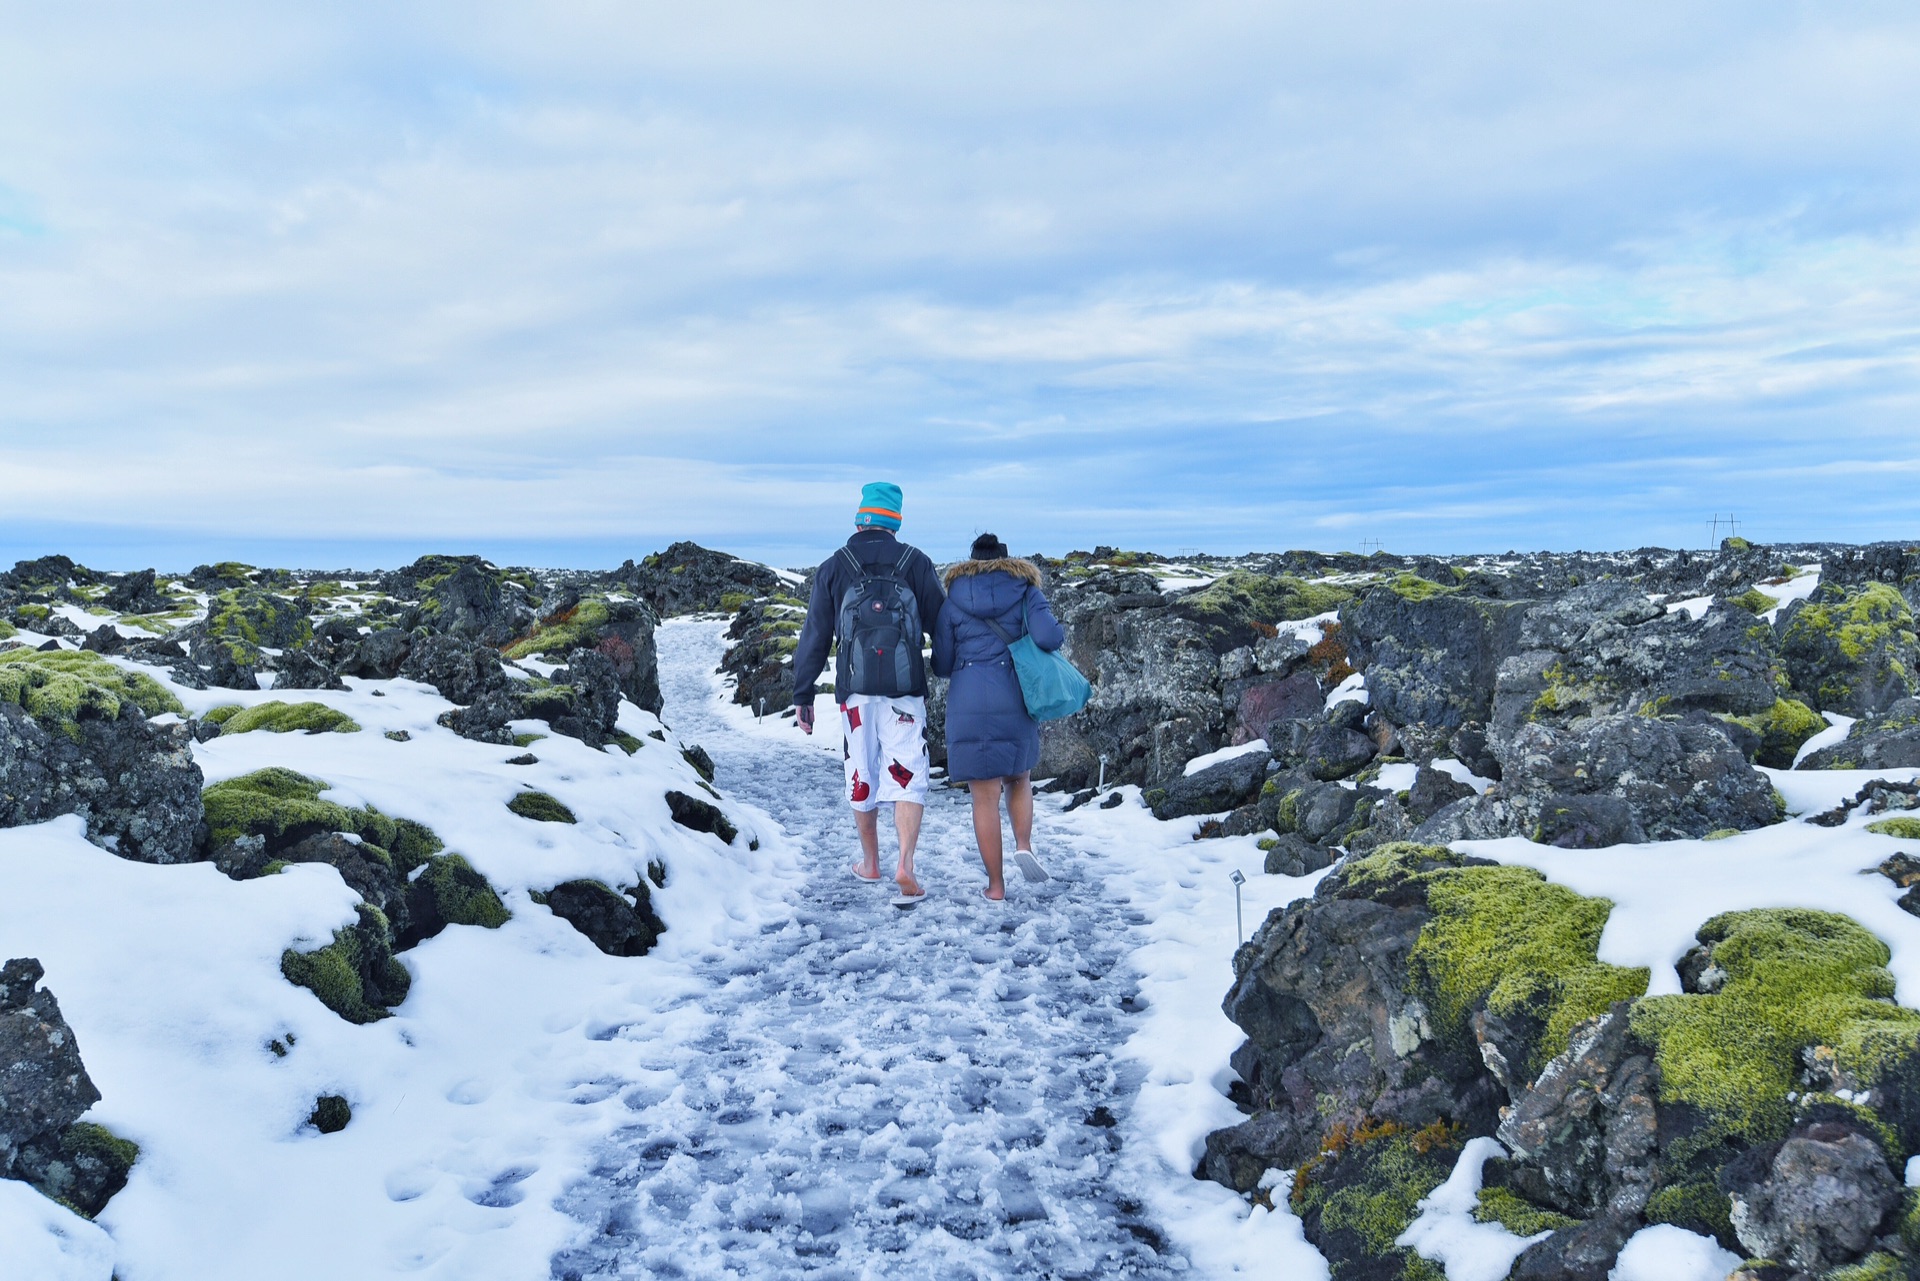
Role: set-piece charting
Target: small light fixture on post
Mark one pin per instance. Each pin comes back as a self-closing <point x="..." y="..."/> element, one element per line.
<point x="1101" y="786"/>
<point x="1239" y="924"/>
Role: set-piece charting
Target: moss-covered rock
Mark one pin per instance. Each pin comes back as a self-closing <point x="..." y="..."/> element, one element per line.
<point x="331" y="1114"/>
<point x="1508" y="941"/>
<point x="284" y="807"/>
<point x="541" y="808"/>
<point x="277" y="717"/>
<point x="1766" y="986"/>
<point x="356" y="975"/>
<point x="1905" y="827"/>
<point x="1851" y="650"/>
<point x="59" y="688"/>
<point x="1782" y="729"/>
<point x="1241" y="607"/>
<point x="448" y="891"/>
<point x="1362" y="1191"/>
<point x="1517" y="1214"/>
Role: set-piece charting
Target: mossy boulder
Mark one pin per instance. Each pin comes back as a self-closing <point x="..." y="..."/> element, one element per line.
<point x="541" y="808"/>
<point x="356" y="975"/>
<point x="1850" y="650"/>
<point x="75" y="739"/>
<point x="620" y="631"/>
<point x="1361" y="1191"/>
<point x="448" y="891"/>
<point x="687" y="578"/>
<point x="1409" y="989"/>
<point x="277" y="717"/>
<point x="1431" y="658"/>
<point x="283" y="807"/>
<point x="1785" y="1013"/>
<point x="1890" y="740"/>
<point x="60" y="688"/>
<point x="331" y="1114"/>
<point x="1241" y="607"/>
<point x="1781" y="730"/>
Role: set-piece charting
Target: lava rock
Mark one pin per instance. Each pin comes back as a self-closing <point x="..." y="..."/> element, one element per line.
<point x="1815" y="1201"/>
<point x="134" y="782"/>
<point x="44" y="1087"/>
<point x="619" y="923"/>
<point x="1226" y="785"/>
<point x="461" y="671"/>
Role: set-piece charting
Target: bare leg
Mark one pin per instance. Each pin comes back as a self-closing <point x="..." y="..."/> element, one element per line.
<point x="986" y="831"/>
<point x="868" y="824"/>
<point x="906" y="821"/>
<point x="1020" y="810"/>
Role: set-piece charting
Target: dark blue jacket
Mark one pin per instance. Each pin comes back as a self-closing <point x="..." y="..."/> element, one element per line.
<point x="989" y="733"/>
<point x="830" y="583"/>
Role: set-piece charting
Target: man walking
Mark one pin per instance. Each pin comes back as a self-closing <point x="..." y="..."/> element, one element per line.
<point x="876" y="597"/>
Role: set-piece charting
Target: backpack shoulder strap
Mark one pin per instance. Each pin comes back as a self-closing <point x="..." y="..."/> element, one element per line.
<point x="900" y="566"/>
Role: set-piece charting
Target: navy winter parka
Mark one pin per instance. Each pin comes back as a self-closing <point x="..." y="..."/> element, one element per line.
<point x="989" y="734"/>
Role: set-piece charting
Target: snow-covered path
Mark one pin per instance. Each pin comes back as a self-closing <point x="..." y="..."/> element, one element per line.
<point x="863" y="1091"/>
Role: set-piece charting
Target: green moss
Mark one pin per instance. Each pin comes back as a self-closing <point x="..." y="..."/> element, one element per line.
<point x="1753" y="600"/>
<point x="284" y="807"/>
<point x="331" y="1114"/>
<point x="1697" y="1206"/>
<point x="60" y="688"/>
<point x="527" y="740"/>
<point x="733" y="601"/>
<point x="33" y="613"/>
<point x="222" y="714"/>
<point x="1372" y="1190"/>
<point x="1242" y="603"/>
<point x="1506" y="938"/>
<point x="249" y="618"/>
<point x="1411" y="586"/>
<point x="1879" y="1266"/>
<point x="283" y="718"/>
<point x="84" y="1138"/>
<point x="1782" y="728"/>
<point x="541" y="808"/>
<point x="7" y="630"/>
<point x="1795" y="978"/>
<point x="462" y="894"/>
<point x="628" y="743"/>
<point x="337" y="973"/>
<point x="1519" y="1216"/>
<point x="1721" y="833"/>
<point x="1287" y="812"/>
<point x="1871" y="619"/>
<point x="1905" y="828"/>
<point x="574" y="628"/>
<point x="1268" y="843"/>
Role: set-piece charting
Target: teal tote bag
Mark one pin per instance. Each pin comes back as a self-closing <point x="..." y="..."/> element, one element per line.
<point x="1052" y="687"/>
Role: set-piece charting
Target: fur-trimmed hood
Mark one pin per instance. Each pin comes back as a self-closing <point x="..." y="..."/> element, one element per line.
<point x="1024" y="570"/>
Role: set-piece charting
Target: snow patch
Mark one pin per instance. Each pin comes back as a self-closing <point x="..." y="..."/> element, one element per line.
<point x="1199" y="763"/>
<point x="1666" y="1253"/>
<point x="1351" y="690"/>
<point x="1459" y="772"/>
<point x="1837" y="729"/>
<point x="1447" y="1233"/>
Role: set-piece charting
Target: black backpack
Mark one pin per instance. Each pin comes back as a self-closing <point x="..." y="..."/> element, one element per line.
<point x="879" y="631"/>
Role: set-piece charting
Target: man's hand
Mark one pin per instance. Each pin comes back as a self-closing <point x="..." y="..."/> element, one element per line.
<point x="803" y="716"/>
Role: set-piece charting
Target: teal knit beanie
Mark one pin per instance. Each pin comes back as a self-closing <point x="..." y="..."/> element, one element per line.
<point x="879" y="506"/>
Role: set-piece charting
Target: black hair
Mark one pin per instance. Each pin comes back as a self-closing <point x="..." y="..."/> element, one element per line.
<point x="989" y="547"/>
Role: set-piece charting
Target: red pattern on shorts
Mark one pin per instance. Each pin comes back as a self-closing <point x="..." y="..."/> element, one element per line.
<point x="901" y="774"/>
<point x="860" y="789"/>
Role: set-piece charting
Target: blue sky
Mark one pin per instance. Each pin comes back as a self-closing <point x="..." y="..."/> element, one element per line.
<point x="563" y="283"/>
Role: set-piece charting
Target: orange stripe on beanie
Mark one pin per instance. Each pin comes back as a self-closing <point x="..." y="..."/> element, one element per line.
<point x="879" y="506"/>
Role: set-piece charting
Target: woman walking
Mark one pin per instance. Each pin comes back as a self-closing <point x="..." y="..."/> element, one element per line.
<point x="992" y="743"/>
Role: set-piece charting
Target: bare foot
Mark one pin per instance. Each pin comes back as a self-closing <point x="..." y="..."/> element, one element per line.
<point x="994" y="892"/>
<point x="908" y="886"/>
<point x="867" y="871"/>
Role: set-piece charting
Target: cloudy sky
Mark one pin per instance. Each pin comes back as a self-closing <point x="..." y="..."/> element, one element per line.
<point x="563" y="282"/>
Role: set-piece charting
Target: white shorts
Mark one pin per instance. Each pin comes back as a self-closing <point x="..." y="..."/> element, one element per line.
<point x="885" y="746"/>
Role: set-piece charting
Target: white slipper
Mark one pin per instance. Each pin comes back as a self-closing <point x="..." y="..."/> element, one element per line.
<point x="1030" y="866"/>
